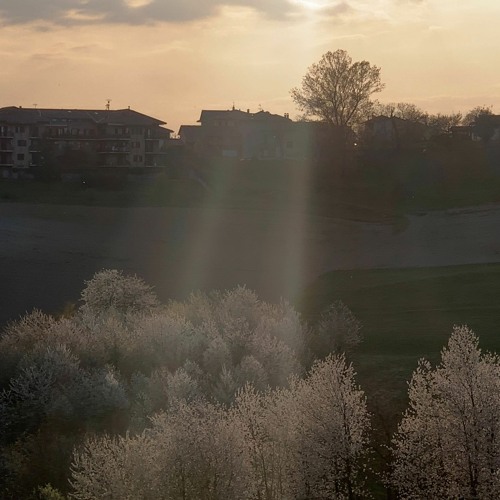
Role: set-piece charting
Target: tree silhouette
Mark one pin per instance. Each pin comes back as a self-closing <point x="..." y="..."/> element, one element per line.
<point x="337" y="90"/>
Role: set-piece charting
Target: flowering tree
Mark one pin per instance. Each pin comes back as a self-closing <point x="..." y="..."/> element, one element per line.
<point x="332" y="432"/>
<point x="448" y="443"/>
<point x="201" y="453"/>
<point x="267" y="421"/>
<point x="116" y="468"/>
<point x="173" y="376"/>
<point x="193" y="451"/>
<point x="52" y="387"/>
<point x="110" y="289"/>
<point x="337" y="331"/>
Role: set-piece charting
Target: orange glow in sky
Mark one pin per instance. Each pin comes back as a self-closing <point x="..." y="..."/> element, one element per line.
<point x="171" y="59"/>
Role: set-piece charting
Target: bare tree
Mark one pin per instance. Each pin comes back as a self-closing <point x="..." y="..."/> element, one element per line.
<point x="443" y="122"/>
<point x="337" y="90"/>
<point x="448" y="443"/>
<point x="403" y="110"/>
<point x="472" y="115"/>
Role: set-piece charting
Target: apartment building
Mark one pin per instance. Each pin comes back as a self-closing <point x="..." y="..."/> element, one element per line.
<point x="32" y="137"/>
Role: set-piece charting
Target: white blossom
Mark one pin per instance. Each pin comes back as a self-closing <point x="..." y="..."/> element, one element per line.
<point x="448" y="443"/>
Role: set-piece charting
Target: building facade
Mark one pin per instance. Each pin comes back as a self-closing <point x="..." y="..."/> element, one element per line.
<point x="244" y="135"/>
<point x="32" y="137"/>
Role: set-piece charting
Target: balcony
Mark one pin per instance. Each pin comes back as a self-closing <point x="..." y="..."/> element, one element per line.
<point x="114" y="149"/>
<point x="68" y="136"/>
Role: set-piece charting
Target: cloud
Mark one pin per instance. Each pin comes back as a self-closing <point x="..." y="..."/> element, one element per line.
<point x="133" y="12"/>
<point x="338" y="10"/>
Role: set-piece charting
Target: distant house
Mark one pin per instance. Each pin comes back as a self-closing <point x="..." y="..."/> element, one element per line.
<point x="244" y="135"/>
<point x="486" y="128"/>
<point x="461" y="132"/>
<point x="391" y="132"/>
<point x="33" y="137"/>
<point x="189" y="136"/>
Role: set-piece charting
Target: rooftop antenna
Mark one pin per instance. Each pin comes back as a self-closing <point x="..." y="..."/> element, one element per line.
<point x="35" y="105"/>
<point x="108" y="102"/>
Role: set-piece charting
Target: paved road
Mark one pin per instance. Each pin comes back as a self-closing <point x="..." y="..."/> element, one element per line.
<point x="46" y="252"/>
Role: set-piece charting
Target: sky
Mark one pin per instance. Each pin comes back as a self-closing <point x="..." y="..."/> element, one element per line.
<point x="171" y="59"/>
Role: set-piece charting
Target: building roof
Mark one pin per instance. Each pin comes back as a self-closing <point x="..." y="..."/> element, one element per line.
<point x="237" y="114"/>
<point x="266" y="115"/>
<point x="217" y="114"/>
<point x="27" y="116"/>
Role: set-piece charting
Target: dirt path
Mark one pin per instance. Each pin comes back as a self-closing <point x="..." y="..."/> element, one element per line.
<point x="47" y="251"/>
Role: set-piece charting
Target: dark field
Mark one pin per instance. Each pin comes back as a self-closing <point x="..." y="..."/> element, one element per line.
<point x="409" y="313"/>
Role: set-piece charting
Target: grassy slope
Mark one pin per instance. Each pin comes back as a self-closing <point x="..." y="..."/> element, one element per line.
<point x="409" y="313"/>
<point x="164" y="192"/>
<point x="234" y="185"/>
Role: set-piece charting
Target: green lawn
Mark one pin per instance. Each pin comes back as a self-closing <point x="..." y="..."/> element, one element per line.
<point x="409" y="313"/>
<point x="163" y="192"/>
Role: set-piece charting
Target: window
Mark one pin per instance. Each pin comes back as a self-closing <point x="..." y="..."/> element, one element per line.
<point x="289" y="144"/>
<point x="19" y="129"/>
<point x="20" y="156"/>
<point x="21" y="143"/>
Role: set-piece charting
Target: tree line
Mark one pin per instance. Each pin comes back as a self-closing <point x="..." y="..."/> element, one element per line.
<point x="224" y="396"/>
<point x="338" y="91"/>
